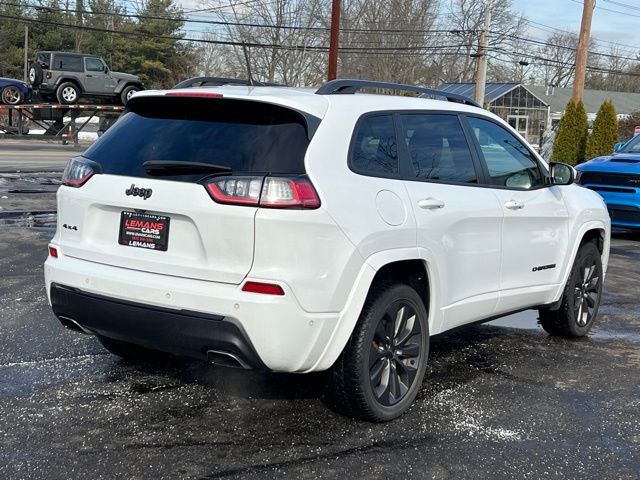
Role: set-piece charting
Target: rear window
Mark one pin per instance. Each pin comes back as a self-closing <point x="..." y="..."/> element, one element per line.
<point x="67" y="63"/>
<point x="246" y="136"/>
<point x="43" y="59"/>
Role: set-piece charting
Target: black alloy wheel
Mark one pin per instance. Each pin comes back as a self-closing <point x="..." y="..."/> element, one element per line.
<point x="395" y="352"/>
<point x="587" y="286"/>
<point x="380" y="370"/>
<point x="578" y="307"/>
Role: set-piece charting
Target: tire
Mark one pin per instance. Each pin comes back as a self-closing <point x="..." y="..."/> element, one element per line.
<point x="68" y="93"/>
<point x="131" y="352"/>
<point x="385" y="355"/>
<point x="127" y="92"/>
<point x="580" y="299"/>
<point x="11" y="95"/>
<point x="35" y="74"/>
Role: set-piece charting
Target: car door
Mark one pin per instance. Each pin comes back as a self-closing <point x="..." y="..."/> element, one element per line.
<point x="458" y="221"/>
<point x="535" y="229"/>
<point x="96" y="78"/>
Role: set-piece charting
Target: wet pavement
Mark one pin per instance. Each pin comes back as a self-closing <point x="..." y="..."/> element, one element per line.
<point x="501" y="400"/>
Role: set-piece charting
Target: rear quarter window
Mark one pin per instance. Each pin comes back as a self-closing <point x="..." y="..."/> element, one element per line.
<point x="374" y="148"/>
<point x="246" y="136"/>
<point x="67" y="63"/>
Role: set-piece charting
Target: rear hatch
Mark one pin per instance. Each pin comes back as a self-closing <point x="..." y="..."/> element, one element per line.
<point x="143" y="196"/>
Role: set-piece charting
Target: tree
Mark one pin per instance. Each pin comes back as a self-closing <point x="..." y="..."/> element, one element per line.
<point x="464" y="20"/>
<point x="627" y="126"/>
<point x="160" y="57"/>
<point x="11" y="42"/>
<point x="571" y="138"/>
<point x="605" y="131"/>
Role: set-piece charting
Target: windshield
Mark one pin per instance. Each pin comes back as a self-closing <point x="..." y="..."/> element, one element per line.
<point x="633" y="146"/>
<point x="243" y="136"/>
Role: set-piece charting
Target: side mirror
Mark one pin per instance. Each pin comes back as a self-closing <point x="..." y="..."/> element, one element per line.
<point x="106" y="69"/>
<point x="617" y="147"/>
<point x="561" y="173"/>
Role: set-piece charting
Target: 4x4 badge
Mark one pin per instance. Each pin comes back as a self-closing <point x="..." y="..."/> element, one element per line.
<point x="138" y="192"/>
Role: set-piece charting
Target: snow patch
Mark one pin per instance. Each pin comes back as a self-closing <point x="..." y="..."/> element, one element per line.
<point x="468" y="417"/>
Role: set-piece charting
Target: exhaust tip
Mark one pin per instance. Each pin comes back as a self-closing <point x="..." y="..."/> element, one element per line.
<point x="71" y="324"/>
<point x="226" y="359"/>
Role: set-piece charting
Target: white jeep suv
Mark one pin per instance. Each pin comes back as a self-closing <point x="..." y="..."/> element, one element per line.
<point x="301" y="231"/>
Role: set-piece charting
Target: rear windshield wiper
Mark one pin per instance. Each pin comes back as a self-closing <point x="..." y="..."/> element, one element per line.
<point x="173" y="167"/>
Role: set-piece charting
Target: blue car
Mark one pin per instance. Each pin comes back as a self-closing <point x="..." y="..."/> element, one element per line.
<point x="617" y="178"/>
<point x="14" y="92"/>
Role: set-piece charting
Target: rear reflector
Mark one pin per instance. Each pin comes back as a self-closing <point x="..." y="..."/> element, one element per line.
<point x="194" y="94"/>
<point x="265" y="288"/>
<point x="53" y="252"/>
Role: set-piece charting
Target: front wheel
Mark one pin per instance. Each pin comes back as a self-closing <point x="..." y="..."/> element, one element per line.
<point x="127" y="93"/>
<point x="580" y="299"/>
<point x="380" y="371"/>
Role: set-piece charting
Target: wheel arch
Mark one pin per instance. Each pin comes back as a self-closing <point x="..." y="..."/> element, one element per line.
<point x="589" y="231"/>
<point x="128" y="83"/>
<point x="406" y="266"/>
<point x="73" y="80"/>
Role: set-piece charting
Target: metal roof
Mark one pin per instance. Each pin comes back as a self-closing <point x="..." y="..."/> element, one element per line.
<point x="493" y="91"/>
<point x="557" y="99"/>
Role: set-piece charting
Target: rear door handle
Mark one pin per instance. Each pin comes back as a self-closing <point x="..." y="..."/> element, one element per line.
<point x="430" y="203"/>
<point x="514" y="205"/>
<point x="89" y="76"/>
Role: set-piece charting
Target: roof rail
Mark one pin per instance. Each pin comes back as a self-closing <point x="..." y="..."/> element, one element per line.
<point x="219" y="81"/>
<point x="334" y="87"/>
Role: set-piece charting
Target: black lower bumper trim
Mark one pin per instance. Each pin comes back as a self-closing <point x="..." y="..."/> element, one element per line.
<point x="181" y="332"/>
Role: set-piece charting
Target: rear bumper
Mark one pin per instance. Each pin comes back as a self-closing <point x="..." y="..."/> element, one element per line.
<point x="188" y="316"/>
<point x="180" y="332"/>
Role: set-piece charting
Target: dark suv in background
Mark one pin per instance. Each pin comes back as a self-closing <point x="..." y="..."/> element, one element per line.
<point x="67" y="77"/>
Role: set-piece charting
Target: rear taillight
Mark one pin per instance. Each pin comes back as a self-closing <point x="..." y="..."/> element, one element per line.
<point x="270" y="192"/>
<point x="49" y="75"/>
<point x="78" y="171"/>
<point x="236" y="190"/>
<point x="53" y="252"/>
<point x="288" y="193"/>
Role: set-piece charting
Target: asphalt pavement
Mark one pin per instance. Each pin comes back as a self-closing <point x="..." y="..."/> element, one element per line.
<point x="35" y="156"/>
<point x="501" y="400"/>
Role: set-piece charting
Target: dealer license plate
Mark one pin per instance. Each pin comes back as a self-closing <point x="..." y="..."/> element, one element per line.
<point x="144" y="230"/>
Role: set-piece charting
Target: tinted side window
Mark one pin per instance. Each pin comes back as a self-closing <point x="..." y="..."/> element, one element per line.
<point x="509" y="162"/>
<point x="375" y="150"/>
<point x="68" y="63"/>
<point x="94" y="65"/>
<point x="438" y="148"/>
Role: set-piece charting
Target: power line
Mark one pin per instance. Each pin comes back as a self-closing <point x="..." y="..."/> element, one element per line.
<point x="231" y="43"/>
<point x="609" y="9"/>
<point x="565" y="47"/>
<point x="221" y="22"/>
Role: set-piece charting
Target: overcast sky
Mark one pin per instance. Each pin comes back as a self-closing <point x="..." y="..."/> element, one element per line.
<point x="566" y="14"/>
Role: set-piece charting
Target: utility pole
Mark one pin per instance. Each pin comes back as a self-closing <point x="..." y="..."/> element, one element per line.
<point x="26" y="52"/>
<point x="583" y="50"/>
<point x="334" y="40"/>
<point x="483" y="52"/>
